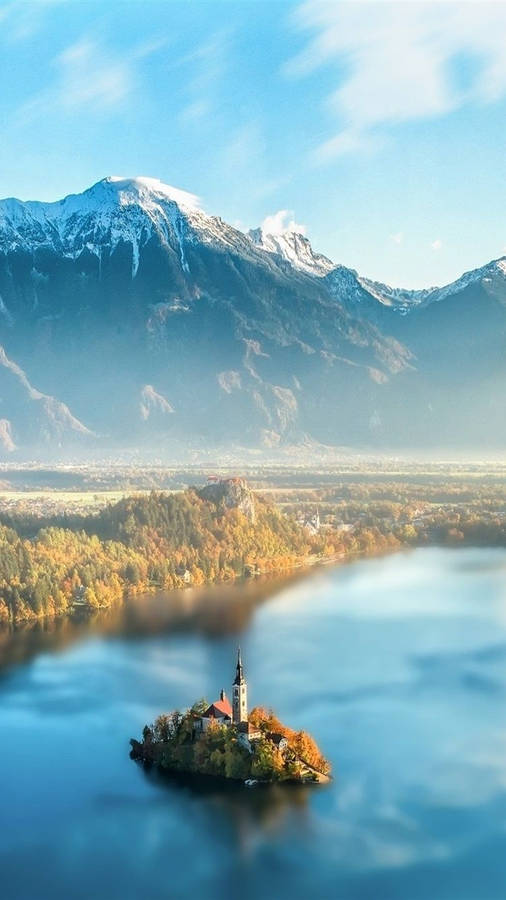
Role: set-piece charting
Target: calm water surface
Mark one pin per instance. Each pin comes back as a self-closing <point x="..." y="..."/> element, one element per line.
<point x="396" y="665"/>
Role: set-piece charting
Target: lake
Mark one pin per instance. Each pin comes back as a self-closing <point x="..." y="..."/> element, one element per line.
<point x="396" y="665"/>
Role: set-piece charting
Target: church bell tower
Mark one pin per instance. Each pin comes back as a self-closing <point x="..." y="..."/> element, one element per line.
<point x="239" y="694"/>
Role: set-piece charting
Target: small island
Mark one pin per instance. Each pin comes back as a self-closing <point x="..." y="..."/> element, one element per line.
<point x="223" y="740"/>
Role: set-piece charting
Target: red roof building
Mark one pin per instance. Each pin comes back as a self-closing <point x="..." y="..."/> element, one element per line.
<point x="222" y="712"/>
<point x="219" y="712"/>
<point x="219" y="709"/>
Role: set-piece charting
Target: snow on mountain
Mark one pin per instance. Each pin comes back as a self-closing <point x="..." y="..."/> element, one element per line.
<point x="295" y="248"/>
<point x="347" y="285"/>
<point x="144" y="188"/>
<point x="486" y="274"/>
<point x="113" y="210"/>
<point x="397" y="298"/>
<point x="404" y="300"/>
<point x="151" y="319"/>
<point x="131" y="210"/>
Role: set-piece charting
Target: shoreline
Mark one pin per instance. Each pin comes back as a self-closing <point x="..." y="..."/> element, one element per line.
<point x="208" y="778"/>
<point x="82" y="610"/>
<point x="81" y="614"/>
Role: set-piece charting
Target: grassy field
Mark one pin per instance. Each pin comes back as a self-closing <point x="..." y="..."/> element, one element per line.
<point x="50" y="502"/>
<point x="90" y="497"/>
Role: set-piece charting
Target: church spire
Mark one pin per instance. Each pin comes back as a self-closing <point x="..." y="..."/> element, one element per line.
<point x="239" y="694"/>
<point x="239" y="674"/>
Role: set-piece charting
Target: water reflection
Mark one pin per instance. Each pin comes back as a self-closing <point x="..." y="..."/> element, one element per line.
<point x="398" y="668"/>
<point x="245" y="815"/>
<point x="212" y="610"/>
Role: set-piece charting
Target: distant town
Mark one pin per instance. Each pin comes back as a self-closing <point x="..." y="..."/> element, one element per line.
<point x="413" y="500"/>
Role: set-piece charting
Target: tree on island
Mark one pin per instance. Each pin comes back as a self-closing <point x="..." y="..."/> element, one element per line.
<point x="277" y="753"/>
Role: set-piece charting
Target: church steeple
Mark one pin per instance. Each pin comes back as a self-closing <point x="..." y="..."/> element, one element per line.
<point x="239" y="693"/>
<point x="239" y="675"/>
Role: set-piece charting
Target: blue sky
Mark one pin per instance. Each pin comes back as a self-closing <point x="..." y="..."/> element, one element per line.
<point x="379" y="127"/>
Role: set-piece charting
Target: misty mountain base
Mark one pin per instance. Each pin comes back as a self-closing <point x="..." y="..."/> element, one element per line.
<point x="131" y="319"/>
<point x="273" y="752"/>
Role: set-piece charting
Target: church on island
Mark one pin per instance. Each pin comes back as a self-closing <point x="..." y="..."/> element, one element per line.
<point x="225" y="740"/>
<point x="234" y="714"/>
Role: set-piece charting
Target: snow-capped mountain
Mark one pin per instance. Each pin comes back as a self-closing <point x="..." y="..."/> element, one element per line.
<point x="295" y="248"/>
<point x="144" y="320"/>
<point x="494" y="273"/>
<point x="115" y="210"/>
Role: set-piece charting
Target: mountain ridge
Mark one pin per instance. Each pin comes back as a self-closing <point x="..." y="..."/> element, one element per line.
<point x="114" y="193"/>
<point x="149" y="320"/>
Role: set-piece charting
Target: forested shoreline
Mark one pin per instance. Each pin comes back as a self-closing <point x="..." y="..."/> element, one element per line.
<point x="142" y="543"/>
<point x="162" y="541"/>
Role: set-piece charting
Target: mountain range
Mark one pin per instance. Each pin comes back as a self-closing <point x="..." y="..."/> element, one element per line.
<point x="131" y="319"/>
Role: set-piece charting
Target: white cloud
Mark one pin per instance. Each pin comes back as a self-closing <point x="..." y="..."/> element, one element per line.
<point x="437" y="244"/>
<point x="245" y="147"/>
<point x="397" y="238"/>
<point x="195" y="111"/>
<point x="21" y="21"/>
<point x="244" y="158"/>
<point x="206" y="67"/>
<point x="148" y="47"/>
<point x="396" y="62"/>
<point x="88" y="75"/>
<point x="281" y="222"/>
<point x="346" y="141"/>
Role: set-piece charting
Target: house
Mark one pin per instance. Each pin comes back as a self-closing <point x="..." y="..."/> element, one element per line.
<point x="184" y="574"/>
<point x="312" y="523"/>
<point x="247" y="734"/>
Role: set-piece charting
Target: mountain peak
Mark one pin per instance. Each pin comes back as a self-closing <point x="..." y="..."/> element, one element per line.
<point x="127" y="317"/>
<point x="115" y="209"/>
<point x="293" y="246"/>
<point x="144" y="186"/>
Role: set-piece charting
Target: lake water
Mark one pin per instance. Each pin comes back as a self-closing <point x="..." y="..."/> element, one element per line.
<point x="397" y="666"/>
